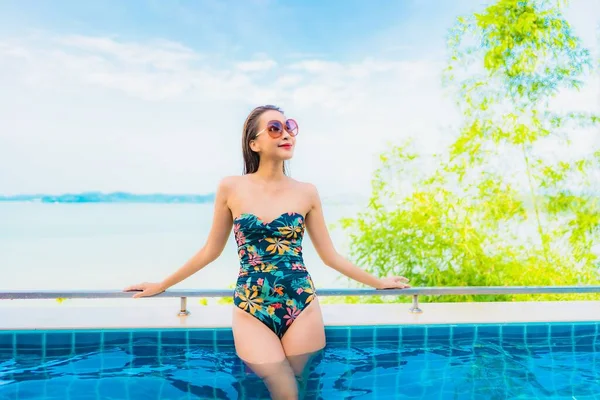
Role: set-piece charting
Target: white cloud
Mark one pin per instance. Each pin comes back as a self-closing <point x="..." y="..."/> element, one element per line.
<point x="161" y="54"/>
<point x="81" y="112"/>
<point x="314" y="66"/>
<point x="252" y="66"/>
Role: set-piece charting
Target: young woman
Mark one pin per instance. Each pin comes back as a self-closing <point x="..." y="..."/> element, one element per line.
<point x="277" y="321"/>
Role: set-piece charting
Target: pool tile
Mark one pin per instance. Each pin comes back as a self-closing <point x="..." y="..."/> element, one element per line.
<point x="413" y="335"/>
<point x="79" y="386"/>
<point x="173" y="351"/>
<point x="225" y="347"/>
<point x="6" y="354"/>
<point x="28" y="353"/>
<point x="459" y="352"/>
<point x="538" y="330"/>
<point x="511" y="332"/>
<point x="337" y="334"/>
<point x="560" y="341"/>
<point x="59" y="351"/>
<point x="144" y="350"/>
<point x="561" y="330"/>
<point x="584" y="330"/>
<point x="463" y="333"/>
<point x="361" y="334"/>
<point x="387" y="360"/>
<point x="107" y="387"/>
<point x="562" y="347"/>
<point x="31" y="389"/>
<point x="439" y="332"/>
<point x="201" y="336"/>
<point x="413" y="390"/>
<point x="387" y="333"/>
<point x="585" y="339"/>
<point x="514" y="336"/>
<point x="537" y="333"/>
<point x="90" y="341"/>
<point x="584" y="347"/>
<point x="29" y="340"/>
<point x="117" y="338"/>
<point x="174" y="337"/>
<point x="488" y="331"/>
<point x="224" y="335"/>
<point x="145" y="338"/>
<point x="59" y="339"/>
<point x="56" y="389"/>
<point x="7" y="340"/>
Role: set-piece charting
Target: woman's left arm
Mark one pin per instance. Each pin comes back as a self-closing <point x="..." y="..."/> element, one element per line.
<point x="319" y="235"/>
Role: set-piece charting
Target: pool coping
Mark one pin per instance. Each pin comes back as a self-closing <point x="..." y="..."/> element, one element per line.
<point x="162" y="313"/>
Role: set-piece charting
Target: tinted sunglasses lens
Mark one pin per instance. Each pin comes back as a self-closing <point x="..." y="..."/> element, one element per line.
<point x="275" y="128"/>
<point x="291" y="127"/>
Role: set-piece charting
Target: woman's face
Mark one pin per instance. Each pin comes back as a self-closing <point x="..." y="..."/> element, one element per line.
<point x="276" y="136"/>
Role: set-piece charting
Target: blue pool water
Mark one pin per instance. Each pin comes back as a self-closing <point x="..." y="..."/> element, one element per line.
<point x="508" y="361"/>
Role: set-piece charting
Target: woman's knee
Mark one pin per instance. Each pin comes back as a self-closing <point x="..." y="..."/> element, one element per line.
<point x="278" y="377"/>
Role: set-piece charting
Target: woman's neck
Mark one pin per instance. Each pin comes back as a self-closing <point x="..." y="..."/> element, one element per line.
<point x="270" y="171"/>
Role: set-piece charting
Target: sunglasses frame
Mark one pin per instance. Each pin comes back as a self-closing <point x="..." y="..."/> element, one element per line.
<point x="281" y="132"/>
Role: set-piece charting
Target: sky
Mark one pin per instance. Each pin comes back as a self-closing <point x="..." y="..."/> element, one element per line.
<point x="150" y="96"/>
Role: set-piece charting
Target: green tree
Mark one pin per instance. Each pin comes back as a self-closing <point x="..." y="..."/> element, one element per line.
<point x="500" y="209"/>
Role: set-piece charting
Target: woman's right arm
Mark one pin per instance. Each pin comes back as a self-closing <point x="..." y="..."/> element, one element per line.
<point x="215" y="243"/>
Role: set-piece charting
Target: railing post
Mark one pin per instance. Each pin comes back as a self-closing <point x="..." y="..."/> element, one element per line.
<point x="415" y="305"/>
<point x="183" y="311"/>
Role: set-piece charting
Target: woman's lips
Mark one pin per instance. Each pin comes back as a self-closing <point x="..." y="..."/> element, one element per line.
<point x="286" y="146"/>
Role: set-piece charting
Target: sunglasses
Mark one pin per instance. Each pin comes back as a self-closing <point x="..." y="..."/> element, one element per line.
<point x="275" y="128"/>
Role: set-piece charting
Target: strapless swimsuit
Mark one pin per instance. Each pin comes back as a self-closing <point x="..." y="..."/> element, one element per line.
<point x="273" y="284"/>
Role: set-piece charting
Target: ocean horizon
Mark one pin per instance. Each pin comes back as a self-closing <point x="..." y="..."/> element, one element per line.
<point x="68" y="245"/>
<point x="96" y="240"/>
<point x="110" y="197"/>
<point x="148" y="198"/>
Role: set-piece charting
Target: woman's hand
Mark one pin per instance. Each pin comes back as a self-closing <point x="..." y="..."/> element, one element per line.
<point x="393" y="282"/>
<point x="147" y="289"/>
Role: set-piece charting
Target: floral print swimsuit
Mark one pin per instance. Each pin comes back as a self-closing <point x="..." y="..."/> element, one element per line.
<point x="273" y="285"/>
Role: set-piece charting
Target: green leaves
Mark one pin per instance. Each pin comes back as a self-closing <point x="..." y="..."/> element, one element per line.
<point x="498" y="210"/>
<point x="527" y="47"/>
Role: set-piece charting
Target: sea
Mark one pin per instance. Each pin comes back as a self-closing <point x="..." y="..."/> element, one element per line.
<point x="104" y="245"/>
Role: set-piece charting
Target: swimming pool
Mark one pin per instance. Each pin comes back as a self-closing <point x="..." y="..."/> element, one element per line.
<point x="466" y="361"/>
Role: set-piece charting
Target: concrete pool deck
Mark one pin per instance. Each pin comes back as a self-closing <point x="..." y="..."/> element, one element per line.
<point x="162" y="313"/>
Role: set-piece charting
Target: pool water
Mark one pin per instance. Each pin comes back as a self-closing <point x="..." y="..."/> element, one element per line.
<point x="491" y="361"/>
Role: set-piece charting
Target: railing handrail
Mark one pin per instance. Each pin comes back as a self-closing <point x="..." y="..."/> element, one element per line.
<point x="414" y="291"/>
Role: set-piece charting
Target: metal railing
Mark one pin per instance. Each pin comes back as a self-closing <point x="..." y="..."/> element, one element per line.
<point x="183" y="294"/>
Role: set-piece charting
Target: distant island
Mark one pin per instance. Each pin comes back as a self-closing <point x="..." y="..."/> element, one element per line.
<point x="114" y="197"/>
<point x="157" y="198"/>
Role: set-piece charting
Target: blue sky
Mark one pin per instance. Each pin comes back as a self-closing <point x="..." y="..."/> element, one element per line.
<point x="150" y="96"/>
<point x="341" y="30"/>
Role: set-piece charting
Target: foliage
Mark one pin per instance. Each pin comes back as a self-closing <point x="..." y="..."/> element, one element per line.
<point x="499" y="209"/>
<point x="228" y="299"/>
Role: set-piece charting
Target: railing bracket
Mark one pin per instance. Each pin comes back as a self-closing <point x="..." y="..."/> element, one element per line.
<point x="183" y="311"/>
<point x="415" y="305"/>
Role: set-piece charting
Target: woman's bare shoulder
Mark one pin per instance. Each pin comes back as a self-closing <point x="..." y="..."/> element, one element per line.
<point x="229" y="182"/>
<point x="307" y="189"/>
<point x="228" y="185"/>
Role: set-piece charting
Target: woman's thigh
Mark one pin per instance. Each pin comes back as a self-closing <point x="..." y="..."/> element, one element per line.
<point x="261" y="350"/>
<point x="254" y="342"/>
<point x="305" y="337"/>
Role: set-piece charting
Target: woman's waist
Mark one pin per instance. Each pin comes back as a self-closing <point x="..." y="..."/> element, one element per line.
<point x="284" y="273"/>
<point x="290" y="264"/>
<point x="281" y="283"/>
<point x="276" y="259"/>
<point x="265" y="289"/>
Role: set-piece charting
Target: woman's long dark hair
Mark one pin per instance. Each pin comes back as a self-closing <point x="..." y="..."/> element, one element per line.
<point x="251" y="158"/>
